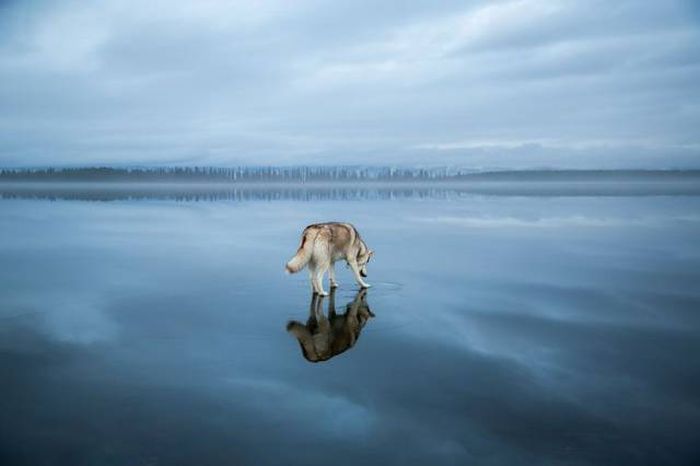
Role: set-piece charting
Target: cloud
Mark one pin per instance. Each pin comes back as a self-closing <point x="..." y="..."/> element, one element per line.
<point x="225" y="83"/>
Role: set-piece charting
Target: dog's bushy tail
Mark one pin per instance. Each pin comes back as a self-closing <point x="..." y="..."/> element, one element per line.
<point x="303" y="254"/>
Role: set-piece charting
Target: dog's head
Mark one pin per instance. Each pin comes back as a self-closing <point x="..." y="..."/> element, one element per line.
<point x="364" y="313"/>
<point x="363" y="258"/>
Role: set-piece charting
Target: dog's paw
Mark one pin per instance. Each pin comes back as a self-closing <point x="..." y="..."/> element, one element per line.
<point x="322" y="293"/>
<point x="366" y="285"/>
<point x="334" y="285"/>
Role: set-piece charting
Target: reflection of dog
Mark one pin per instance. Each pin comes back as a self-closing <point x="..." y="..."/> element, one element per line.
<point x="322" y="244"/>
<point x="322" y="338"/>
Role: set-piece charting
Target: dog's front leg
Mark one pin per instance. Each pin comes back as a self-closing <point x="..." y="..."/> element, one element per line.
<point x="356" y="270"/>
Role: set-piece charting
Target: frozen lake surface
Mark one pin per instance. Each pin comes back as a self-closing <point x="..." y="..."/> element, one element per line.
<point x="510" y="327"/>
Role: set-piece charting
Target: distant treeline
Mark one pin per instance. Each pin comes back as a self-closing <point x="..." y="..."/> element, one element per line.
<point x="187" y="192"/>
<point x="326" y="174"/>
<point x="243" y="174"/>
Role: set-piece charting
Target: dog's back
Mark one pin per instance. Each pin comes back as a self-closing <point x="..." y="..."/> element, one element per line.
<point x="322" y="242"/>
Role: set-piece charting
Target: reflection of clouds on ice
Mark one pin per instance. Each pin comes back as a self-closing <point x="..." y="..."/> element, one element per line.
<point x="554" y="222"/>
<point x="548" y="331"/>
<point x="73" y="318"/>
<point x="333" y="414"/>
<point x="488" y="342"/>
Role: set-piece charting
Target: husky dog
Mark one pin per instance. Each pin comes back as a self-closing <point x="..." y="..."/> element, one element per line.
<point x="324" y="243"/>
<point x="324" y="337"/>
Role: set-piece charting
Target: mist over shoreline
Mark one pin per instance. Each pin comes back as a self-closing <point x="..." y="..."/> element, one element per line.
<point x="332" y="175"/>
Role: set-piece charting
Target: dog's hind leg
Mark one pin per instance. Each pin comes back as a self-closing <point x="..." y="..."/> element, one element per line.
<point x="312" y="277"/>
<point x="318" y="278"/>
<point x="331" y="305"/>
<point x="331" y="276"/>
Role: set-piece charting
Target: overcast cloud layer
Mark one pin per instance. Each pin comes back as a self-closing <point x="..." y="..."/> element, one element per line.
<point x="525" y="83"/>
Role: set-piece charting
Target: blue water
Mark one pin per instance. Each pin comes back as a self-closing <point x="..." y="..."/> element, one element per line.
<point x="507" y="330"/>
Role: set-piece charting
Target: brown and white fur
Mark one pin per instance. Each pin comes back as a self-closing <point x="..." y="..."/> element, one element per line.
<point x="323" y="337"/>
<point x="322" y="244"/>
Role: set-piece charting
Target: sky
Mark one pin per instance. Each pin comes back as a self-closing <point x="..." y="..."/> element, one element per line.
<point x="474" y="84"/>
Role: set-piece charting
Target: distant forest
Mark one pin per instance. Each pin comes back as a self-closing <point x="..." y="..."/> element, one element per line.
<point x="306" y="174"/>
